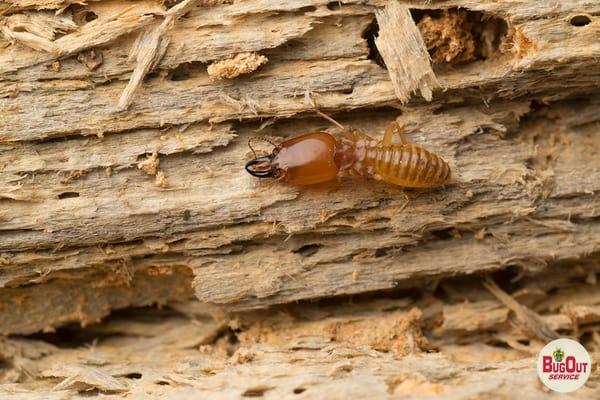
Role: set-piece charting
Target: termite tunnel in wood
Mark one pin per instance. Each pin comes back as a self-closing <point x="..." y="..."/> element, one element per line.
<point x="580" y="20"/>
<point x="453" y="36"/>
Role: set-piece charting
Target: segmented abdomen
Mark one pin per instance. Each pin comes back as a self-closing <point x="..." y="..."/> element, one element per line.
<point x="408" y="165"/>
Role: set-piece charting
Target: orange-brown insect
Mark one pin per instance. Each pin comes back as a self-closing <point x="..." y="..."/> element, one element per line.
<point x="320" y="157"/>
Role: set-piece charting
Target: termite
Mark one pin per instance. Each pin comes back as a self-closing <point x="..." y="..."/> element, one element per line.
<point x="320" y="157"/>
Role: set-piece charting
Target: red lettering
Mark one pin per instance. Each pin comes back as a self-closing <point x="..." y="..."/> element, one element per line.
<point x="570" y="364"/>
<point x="547" y="364"/>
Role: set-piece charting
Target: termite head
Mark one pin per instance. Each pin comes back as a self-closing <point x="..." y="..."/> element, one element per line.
<point x="301" y="160"/>
<point x="261" y="167"/>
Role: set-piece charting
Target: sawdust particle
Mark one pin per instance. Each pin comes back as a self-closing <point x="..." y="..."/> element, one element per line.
<point x="460" y="36"/>
<point x="469" y="194"/>
<point x="242" y="356"/>
<point x="399" y="333"/>
<point x="516" y="43"/>
<point x="240" y="64"/>
<point x="324" y="215"/>
<point x="448" y="38"/>
<point x="480" y="234"/>
<point x="159" y="271"/>
<point x="73" y="175"/>
<point x="55" y="66"/>
<point x="161" y="180"/>
<point x="355" y="275"/>
<point x="150" y="164"/>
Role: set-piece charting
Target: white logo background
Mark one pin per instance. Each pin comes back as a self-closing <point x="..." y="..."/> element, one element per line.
<point x="570" y="348"/>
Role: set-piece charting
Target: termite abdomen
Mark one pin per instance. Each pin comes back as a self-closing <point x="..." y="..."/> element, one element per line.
<point x="408" y="165"/>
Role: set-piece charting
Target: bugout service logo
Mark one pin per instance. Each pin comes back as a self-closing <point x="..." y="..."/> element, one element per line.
<point x="564" y="365"/>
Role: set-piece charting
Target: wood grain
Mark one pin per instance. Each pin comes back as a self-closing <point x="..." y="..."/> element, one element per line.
<point x="519" y="128"/>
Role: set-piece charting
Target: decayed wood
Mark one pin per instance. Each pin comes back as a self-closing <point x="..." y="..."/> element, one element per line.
<point x="385" y="227"/>
<point x="448" y="293"/>
<point x="407" y="60"/>
<point x="553" y="42"/>
<point x="469" y="207"/>
<point x="376" y="347"/>
<point x="90" y="296"/>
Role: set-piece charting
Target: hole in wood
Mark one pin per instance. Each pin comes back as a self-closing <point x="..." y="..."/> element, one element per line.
<point x="257" y="391"/>
<point x="68" y="195"/>
<point x="90" y="16"/>
<point x="95" y="392"/>
<point x="181" y="73"/>
<point x="580" y="20"/>
<point x="299" y="390"/>
<point x="369" y="35"/>
<point x="307" y="9"/>
<point x="456" y="36"/>
<point x="81" y="15"/>
<point x="162" y="383"/>
<point x="334" y="5"/>
<point x="308" y="250"/>
<point x="443" y="234"/>
<point x="134" y="375"/>
<point x="382" y="252"/>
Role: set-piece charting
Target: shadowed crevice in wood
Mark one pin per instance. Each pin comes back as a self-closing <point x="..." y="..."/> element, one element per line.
<point x="91" y="295"/>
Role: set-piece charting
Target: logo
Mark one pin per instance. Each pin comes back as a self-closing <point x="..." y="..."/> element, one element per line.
<point x="558" y="355"/>
<point x="564" y="365"/>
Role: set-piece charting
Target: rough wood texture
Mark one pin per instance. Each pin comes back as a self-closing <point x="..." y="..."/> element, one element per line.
<point x="407" y="60"/>
<point x="107" y="204"/>
<point x="387" y="347"/>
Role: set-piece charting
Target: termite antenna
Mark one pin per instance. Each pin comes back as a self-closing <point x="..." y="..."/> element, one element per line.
<point x="264" y="139"/>
<point x="321" y="113"/>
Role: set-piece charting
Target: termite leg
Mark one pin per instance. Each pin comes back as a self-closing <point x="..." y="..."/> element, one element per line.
<point x="392" y="128"/>
<point x="265" y="186"/>
<point x="382" y="191"/>
<point x="407" y="198"/>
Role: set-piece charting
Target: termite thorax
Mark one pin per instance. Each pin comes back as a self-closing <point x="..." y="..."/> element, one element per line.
<point x="344" y="155"/>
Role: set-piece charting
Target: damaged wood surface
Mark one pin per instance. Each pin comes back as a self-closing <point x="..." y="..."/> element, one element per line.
<point x="104" y="207"/>
<point x="538" y="195"/>
<point x="457" y="343"/>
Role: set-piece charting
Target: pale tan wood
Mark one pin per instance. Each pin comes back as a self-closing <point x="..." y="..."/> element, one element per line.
<point x="407" y="60"/>
<point x="103" y="209"/>
<point x="316" y="351"/>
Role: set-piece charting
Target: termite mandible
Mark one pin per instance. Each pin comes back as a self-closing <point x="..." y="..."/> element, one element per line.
<point x="319" y="157"/>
